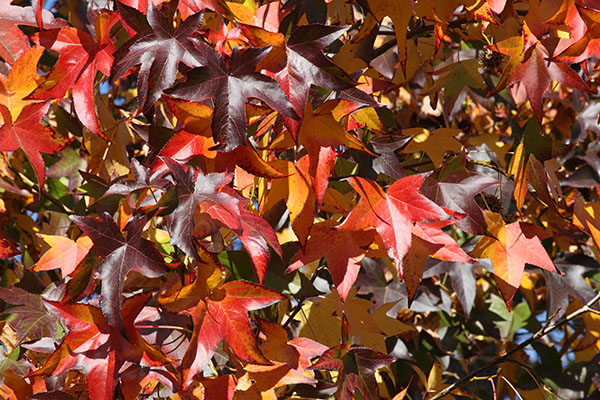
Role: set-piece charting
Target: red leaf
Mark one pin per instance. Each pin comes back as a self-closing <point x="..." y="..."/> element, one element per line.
<point x="28" y="134"/>
<point x="220" y="314"/>
<point x="7" y="249"/>
<point x="511" y="247"/>
<point x="80" y="57"/>
<point x="120" y="256"/>
<point x="533" y="69"/>
<point x="343" y="249"/>
<point x="97" y="349"/>
<point x="393" y="213"/>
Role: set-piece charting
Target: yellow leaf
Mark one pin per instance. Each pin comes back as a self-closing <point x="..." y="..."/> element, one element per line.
<point x="434" y="144"/>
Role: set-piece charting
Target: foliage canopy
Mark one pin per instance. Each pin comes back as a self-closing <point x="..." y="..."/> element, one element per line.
<point x="202" y="199"/>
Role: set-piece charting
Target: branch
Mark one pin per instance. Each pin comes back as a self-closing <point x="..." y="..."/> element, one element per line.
<point x="542" y="332"/>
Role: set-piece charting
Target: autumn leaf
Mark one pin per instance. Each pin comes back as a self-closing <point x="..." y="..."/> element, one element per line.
<point x="7" y="249"/>
<point x="119" y="256"/>
<point x="194" y="141"/>
<point x="355" y="365"/>
<point x="457" y="192"/>
<point x="64" y="254"/>
<point x="96" y="348"/>
<point x="344" y="251"/>
<point x="159" y="47"/>
<point x="13" y="42"/>
<point x="392" y="213"/>
<point x="306" y="65"/>
<point x="219" y="313"/>
<point x="81" y="56"/>
<point x="229" y="88"/>
<point x="400" y="12"/>
<point x="191" y="191"/>
<point x="22" y="79"/>
<point x="321" y="135"/>
<point x="435" y="144"/>
<point x="26" y="133"/>
<point x="31" y="318"/>
<point x="510" y="247"/>
<point x="253" y="231"/>
<point x="534" y="71"/>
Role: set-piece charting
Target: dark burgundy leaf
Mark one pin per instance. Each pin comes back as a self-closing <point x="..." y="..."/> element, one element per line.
<point x="570" y="283"/>
<point x="191" y="191"/>
<point x="159" y="47"/>
<point x="457" y="192"/>
<point x="119" y="256"/>
<point x="229" y="88"/>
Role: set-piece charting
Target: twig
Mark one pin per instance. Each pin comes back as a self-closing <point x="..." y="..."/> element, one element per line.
<point x="542" y="332"/>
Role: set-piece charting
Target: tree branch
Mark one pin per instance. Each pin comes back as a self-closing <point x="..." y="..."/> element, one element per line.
<point x="542" y="332"/>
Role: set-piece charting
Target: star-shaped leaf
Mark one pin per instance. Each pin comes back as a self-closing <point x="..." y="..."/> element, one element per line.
<point x="457" y="192"/>
<point x="191" y="191"/>
<point x="510" y="248"/>
<point x="219" y="313"/>
<point x="94" y="347"/>
<point x="31" y="319"/>
<point x="306" y="65"/>
<point x="229" y="88"/>
<point x="159" y="47"/>
<point x="533" y="69"/>
<point x="120" y="256"/>
<point x="344" y="251"/>
<point x="81" y="56"/>
<point x="393" y="213"/>
<point x="26" y="133"/>
<point x="435" y="144"/>
<point x="63" y="253"/>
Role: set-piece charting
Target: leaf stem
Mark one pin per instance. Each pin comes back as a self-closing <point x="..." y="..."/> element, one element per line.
<point x="542" y="332"/>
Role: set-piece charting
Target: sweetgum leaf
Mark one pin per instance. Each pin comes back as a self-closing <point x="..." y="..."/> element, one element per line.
<point x="307" y="65"/>
<point x="26" y="133"/>
<point x="94" y="347"/>
<point x="393" y="213"/>
<point x="510" y="248"/>
<point x="229" y="88"/>
<point x="12" y="40"/>
<point x="219" y="313"/>
<point x="191" y="191"/>
<point x="159" y="47"/>
<point x="32" y="318"/>
<point x="119" y="256"/>
<point x="457" y="192"/>
<point x="81" y="56"/>
<point x="344" y="251"/>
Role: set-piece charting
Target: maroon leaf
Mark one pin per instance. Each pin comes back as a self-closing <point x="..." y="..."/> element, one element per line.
<point x="307" y="65"/>
<point x="159" y="47"/>
<point x="119" y="256"/>
<point x="191" y="191"/>
<point x="229" y="88"/>
<point x="32" y="319"/>
<point x="457" y="192"/>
